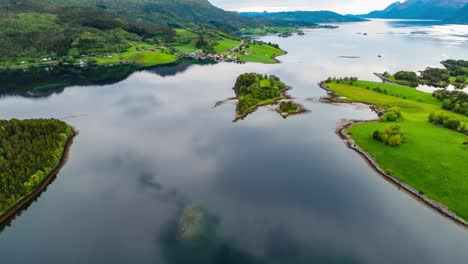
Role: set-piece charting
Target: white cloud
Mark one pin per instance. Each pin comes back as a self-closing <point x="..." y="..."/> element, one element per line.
<point x="341" y="6"/>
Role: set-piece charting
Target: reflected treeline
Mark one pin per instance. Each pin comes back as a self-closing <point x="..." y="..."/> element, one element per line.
<point x="19" y="212"/>
<point x="43" y="82"/>
<point x="193" y="237"/>
<point x="414" y="23"/>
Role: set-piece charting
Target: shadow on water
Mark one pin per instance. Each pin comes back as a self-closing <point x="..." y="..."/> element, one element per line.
<point x="205" y="245"/>
<point x="18" y="213"/>
<point x="46" y="81"/>
<point x="414" y="23"/>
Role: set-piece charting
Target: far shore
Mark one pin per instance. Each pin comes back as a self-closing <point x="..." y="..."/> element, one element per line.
<point x="8" y="214"/>
<point x="341" y="132"/>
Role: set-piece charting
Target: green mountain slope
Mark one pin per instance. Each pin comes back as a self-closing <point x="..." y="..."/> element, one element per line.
<point x="174" y="13"/>
<point x="420" y="9"/>
<point x="307" y="16"/>
<point x="33" y="30"/>
<point x="49" y="32"/>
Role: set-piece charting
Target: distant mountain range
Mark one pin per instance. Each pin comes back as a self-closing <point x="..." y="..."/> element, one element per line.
<point x="460" y="17"/>
<point x="306" y="16"/>
<point x="423" y="9"/>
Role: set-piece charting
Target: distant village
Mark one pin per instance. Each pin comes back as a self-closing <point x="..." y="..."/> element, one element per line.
<point x="227" y="56"/>
<point x="231" y="55"/>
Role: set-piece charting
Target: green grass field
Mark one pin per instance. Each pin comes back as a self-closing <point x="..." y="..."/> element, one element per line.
<point x="433" y="160"/>
<point x="262" y="53"/>
<point x="226" y="44"/>
<point x="187" y="48"/>
<point x="143" y="58"/>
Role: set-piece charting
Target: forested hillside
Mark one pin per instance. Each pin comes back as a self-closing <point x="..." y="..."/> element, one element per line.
<point x="174" y="13"/>
<point x="29" y="151"/>
<point x="31" y="31"/>
<point x="51" y="32"/>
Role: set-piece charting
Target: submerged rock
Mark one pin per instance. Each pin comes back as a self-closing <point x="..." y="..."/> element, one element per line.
<point x="192" y="224"/>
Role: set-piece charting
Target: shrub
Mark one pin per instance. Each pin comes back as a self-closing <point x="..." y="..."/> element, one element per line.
<point x="394" y="140"/>
<point x="460" y="79"/>
<point x="446" y="121"/>
<point x="389" y="135"/>
<point x="288" y="107"/>
<point x="392" y="114"/>
<point x="452" y="124"/>
<point x="92" y="61"/>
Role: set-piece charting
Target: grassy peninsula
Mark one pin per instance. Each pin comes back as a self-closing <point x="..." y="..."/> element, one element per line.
<point x="282" y="31"/>
<point x="254" y="90"/>
<point x="429" y="154"/>
<point x="455" y="73"/>
<point x="30" y="150"/>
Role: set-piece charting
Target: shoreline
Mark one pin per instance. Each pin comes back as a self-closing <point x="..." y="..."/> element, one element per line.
<point x="350" y="143"/>
<point x="11" y="212"/>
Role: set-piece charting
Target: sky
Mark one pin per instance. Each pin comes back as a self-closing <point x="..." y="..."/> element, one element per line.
<point x="340" y="6"/>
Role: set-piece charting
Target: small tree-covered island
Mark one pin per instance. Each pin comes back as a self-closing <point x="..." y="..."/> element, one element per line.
<point x="31" y="154"/>
<point x="254" y="90"/>
<point x="419" y="141"/>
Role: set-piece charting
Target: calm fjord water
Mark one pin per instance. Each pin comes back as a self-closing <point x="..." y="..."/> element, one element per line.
<point x="281" y="191"/>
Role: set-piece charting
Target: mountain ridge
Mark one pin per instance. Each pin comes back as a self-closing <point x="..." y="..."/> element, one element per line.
<point x="419" y="9"/>
<point x="307" y="16"/>
<point x="460" y="17"/>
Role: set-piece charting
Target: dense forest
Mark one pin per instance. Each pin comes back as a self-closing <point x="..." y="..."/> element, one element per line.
<point x="68" y="32"/>
<point x="29" y="151"/>
<point x="253" y="89"/>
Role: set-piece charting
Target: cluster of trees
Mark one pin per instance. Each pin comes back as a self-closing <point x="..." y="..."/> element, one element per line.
<point x="390" y="135"/>
<point x="345" y="80"/>
<point x="253" y="88"/>
<point x="456" y="63"/>
<point x="29" y="150"/>
<point x="435" y="76"/>
<point x="274" y="45"/>
<point x="288" y="107"/>
<point x="408" y="76"/>
<point x="442" y="77"/>
<point x="392" y="114"/>
<point x="456" y="101"/>
<point x="446" y="121"/>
